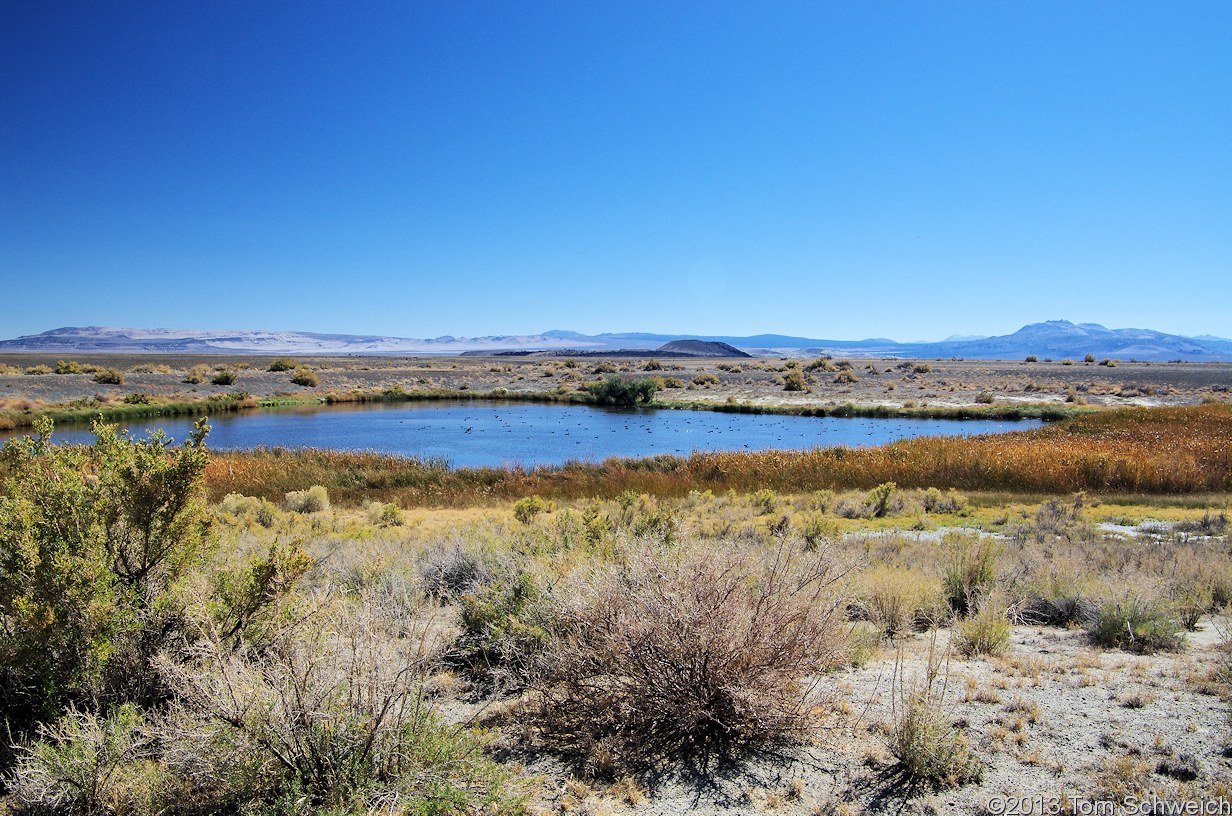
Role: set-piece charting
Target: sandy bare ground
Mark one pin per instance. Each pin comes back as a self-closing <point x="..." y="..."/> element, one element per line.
<point x="757" y="381"/>
<point x="1053" y="720"/>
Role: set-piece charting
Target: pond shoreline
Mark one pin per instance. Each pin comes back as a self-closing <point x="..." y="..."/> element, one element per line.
<point x="1139" y="451"/>
<point x="502" y="433"/>
<point x="83" y="415"/>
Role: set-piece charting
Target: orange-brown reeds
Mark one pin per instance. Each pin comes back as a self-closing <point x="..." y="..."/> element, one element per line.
<point x="1134" y="450"/>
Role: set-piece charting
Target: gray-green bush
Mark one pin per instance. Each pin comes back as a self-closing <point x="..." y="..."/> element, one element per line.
<point x="970" y="569"/>
<point x="1135" y="624"/>
<point x="505" y="623"/>
<point x="928" y="747"/>
<point x="332" y="712"/>
<point x="313" y="500"/>
<point x="86" y="763"/>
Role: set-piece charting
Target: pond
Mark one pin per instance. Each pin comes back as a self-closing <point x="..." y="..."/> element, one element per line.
<point x="505" y="434"/>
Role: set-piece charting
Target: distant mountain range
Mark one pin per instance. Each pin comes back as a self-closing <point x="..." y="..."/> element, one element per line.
<point x="1056" y="339"/>
<point x="672" y="348"/>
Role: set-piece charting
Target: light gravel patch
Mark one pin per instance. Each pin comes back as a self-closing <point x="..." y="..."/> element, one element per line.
<point x="1054" y="716"/>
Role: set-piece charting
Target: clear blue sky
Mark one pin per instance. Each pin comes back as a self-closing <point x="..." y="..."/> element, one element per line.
<point x="837" y="170"/>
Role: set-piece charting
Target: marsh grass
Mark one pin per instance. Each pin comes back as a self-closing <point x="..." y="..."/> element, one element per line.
<point x="1146" y="451"/>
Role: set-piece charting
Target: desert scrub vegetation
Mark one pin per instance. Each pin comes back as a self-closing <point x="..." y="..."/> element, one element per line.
<point x="313" y="500"/>
<point x="142" y="675"/>
<point x="94" y="539"/>
<point x="899" y="600"/>
<point x="87" y="763"/>
<point x="225" y="377"/>
<point x="525" y="510"/>
<point x="929" y="748"/>
<point x="705" y="379"/>
<point x="505" y="623"/>
<point x="634" y="632"/>
<point x="1135" y="624"/>
<point x="385" y="515"/>
<point x="689" y="656"/>
<point x="109" y="376"/>
<point x="987" y="632"/>
<point x="249" y="507"/>
<point x="970" y="570"/>
<point x="794" y="380"/>
<point x="305" y="377"/>
<point x="329" y="715"/>
<point x="196" y="374"/>
<point x="332" y="711"/>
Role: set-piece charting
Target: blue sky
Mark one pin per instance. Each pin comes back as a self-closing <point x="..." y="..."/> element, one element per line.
<point x="838" y="170"/>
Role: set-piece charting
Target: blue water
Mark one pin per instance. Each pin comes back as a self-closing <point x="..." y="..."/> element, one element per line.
<point x="504" y="434"/>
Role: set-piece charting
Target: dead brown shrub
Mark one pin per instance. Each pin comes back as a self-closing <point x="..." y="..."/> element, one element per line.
<point x="690" y="657"/>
